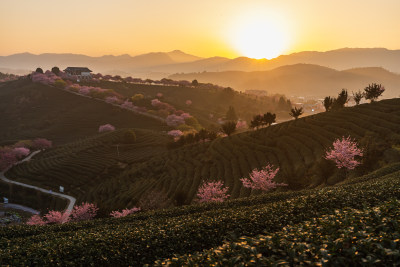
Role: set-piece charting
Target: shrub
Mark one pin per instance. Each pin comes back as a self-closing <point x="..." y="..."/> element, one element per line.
<point x="86" y="211"/>
<point x="123" y="213"/>
<point x="106" y="128"/>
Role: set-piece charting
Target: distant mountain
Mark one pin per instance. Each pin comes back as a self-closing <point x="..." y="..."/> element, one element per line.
<point x="301" y="80"/>
<point x="162" y="64"/>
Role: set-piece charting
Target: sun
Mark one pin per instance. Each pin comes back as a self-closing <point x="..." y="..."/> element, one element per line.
<point x="260" y="37"/>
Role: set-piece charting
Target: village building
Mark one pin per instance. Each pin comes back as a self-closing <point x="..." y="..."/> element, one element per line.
<point x="81" y="73"/>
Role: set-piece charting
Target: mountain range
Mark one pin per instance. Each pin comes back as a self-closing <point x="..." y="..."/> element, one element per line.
<point x="302" y="73"/>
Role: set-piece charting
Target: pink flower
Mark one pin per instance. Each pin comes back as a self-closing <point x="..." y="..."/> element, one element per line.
<point x="212" y="192"/>
<point x="35" y="220"/>
<point x="21" y="152"/>
<point x="57" y="217"/>
<point x="123" y="213"/>
<point x="343" y="153"/>
<point x="106" y="128"/>
<point x="86" y="211"/>
<point x="262" y="179"/>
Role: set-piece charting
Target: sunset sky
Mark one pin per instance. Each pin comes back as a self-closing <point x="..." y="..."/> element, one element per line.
<point x="205" y="28"/>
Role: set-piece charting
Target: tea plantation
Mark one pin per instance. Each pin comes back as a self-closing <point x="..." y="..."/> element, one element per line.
<point x="349" y="224"/>
<point x="92" y="171"/>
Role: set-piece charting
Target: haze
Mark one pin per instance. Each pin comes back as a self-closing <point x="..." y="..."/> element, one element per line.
<point x="203" y="28"/>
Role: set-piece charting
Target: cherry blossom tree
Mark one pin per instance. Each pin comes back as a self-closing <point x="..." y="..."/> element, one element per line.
<point x="159" y="95"/>
<point x="262" y="179"/>
<point x="188" y="102"/>
<point x="7" y="158"/>
<point x="212" y="192"/>
<point x="174" y="120"/>
<point x="175" y="133"/>
<point x="57" y="217"/>
<point x="123" y="213"/>
<point x="86" y="211"/>
<point x="127" y="105"/>
<point x="21" y="152"/>
<point x="41" y="143"/>
<point x="344" y="152"/>
<point x="106" y="128"/>
<point x="35" y="220"/>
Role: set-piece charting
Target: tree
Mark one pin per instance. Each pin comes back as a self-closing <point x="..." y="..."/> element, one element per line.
<point x="203" y="134"/>
<point x="123" y="213"/>
<point x="57" y="217"/>
<point x="295" y="112"/>
<point x="269" y="118"/>
<point x="328" y="101"/>
<point x="39" y="70"/>
<point x="341" y="100"/>
<point x="257" y="121"/>
<point x="195" y="83"/>
<point x="35" y="220"/>
<point x="212" y="135"/>
<point x="229" y="127"/>
<point x="373" y="91"/>
<point x="357" y="96"/>
<point x="129" y="137"/>
<point x="55" y="70"/>
<point x="262" y="179"/>
<point x="212" y="192"/>
<point x="41" y="143"/>
<point x="106" y="128"/>
<point x="343" y="153"/>
<point x="86" y="211"/>
<point x="231" y="114"/>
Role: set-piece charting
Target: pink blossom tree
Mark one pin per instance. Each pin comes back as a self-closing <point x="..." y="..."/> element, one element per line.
<point x="86" y="211"/>
<point x="344" y="152"/>
<point x="21" y="152"/>
<point x="240" y="125"/>
<point x="7" y="158"/>
<point x="262" y="179"/>
<point x="212" y="192"/>
<point x="188" y="102"/>
<point x="41" y="143"/>
<point x="35" y="220"/>
<point x="123" y="213"/>
<point x="175" y="133"/>
<point x="106" y="128"/>
<point x="159" y="95"/>
<point x="174" y="120"/>
<point x="127" y="105"/>
<point x="57" y="217"/>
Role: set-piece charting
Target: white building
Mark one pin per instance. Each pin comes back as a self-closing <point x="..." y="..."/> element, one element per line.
<point x="81" y="73"/>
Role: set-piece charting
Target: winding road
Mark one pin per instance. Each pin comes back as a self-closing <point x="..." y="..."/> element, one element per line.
<point x="71" y="199"/>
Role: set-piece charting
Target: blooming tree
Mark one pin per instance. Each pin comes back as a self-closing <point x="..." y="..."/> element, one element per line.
<point x="41" y="143"/>
<point x="7" y="158"/>
<point x="86" y="211"/>
<point x="174" y="120"/>
<point x="343" y="153"/>
<point x="123" y="213"/>
<point x="262" y="179"/>
<point x="188" y="102"/>
<point x="106" y="128"/>
<point x="159" y="94"/>
<point x="21" y="152"/>
<point x="35" y="220"/>
<point x="127" y="105"/>
<point x="212" y="192"/>
<point x="175" y="133"/>
<point x="57" y="217"/>
<point x="112" y="99"/>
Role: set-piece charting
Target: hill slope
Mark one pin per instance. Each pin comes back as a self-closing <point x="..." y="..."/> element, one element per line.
<point x="296" y="147"/>
<point x="30" y="110"/>
<point x="301" y="80"/>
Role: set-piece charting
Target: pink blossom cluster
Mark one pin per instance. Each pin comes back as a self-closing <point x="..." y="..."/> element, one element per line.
<point x="175" y="133"/>
<point x="212" y="192"/>
<point x="344" y="152"/>
<point x="112" y="100"/>
<point x="188" y="102"/>
<point x="41" y="143"/>
<point x="176" y="120"/>
<point x="162" y="105"/>
<point x="262" y="179"/>
<point x="123" y="213"/>
<point x="86" y="211"/>
<point x="10" y="155"/>
<point x="241" y="125"/>
<point x="47" y="78"/>
<point x="106" y="128"/>
<point x="159" y="95"/>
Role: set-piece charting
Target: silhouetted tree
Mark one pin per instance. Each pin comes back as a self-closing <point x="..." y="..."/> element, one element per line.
<point x="269" y="118"/>
<point x="257" y="121"/>
<point x="357" y="96"/>
<point x="373" y="91"/>
<point x="129" y="137"/>
<point x="231" y="114"/>
<point x="229" y="127"/>
<point x="39" y="70"/>
<point x="212" y="135"/>
<point x="203" y="134"/>
<point x="295" y="112"/>
<point x="341" y="100"/>
<point x="195" y="83"/>
<point x="55" y="70"/>
<point x="328" y="101"/>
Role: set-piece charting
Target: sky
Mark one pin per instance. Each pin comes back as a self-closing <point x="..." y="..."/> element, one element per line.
<point x="205" y="28"/>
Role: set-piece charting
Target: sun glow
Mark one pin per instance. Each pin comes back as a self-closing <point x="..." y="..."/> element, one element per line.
<point x="260" y="36"/>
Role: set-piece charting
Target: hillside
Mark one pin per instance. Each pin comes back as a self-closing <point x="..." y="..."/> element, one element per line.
<point x="301" y="80"/>
<point x="324" y="222"/>
<point x="296" y="147"/>
<point x="30" y="110"/>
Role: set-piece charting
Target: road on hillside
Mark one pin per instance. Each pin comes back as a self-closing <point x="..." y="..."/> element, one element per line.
<point x="71" y="199"/>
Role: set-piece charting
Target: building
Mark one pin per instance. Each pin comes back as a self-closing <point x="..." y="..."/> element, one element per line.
<point x="80" y="73"/>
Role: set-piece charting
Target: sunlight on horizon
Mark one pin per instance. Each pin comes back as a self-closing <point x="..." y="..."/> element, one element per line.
<point x="260" y="35"/>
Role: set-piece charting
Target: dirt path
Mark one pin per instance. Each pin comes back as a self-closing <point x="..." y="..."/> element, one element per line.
<point x="71" y="199"/>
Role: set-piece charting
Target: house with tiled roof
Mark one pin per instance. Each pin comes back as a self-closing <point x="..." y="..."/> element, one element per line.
<point x="81" y="73"/>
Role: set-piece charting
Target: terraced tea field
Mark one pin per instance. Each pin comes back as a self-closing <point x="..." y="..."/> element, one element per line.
<point x="96" y="174"/>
